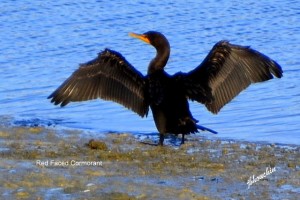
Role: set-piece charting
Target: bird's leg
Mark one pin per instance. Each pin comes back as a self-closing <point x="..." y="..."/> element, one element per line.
<point x="161" y="139"/>
<point x="182" y="139"/>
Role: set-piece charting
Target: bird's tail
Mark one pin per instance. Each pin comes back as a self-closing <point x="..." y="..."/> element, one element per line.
<point x="206" y="129"/>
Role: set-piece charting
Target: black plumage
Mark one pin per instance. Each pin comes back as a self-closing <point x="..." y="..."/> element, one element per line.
<point x="224" y="73"/>
<point x="109" y="77"/>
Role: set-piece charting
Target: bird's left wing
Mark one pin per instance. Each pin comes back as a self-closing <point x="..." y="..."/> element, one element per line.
<point x="225" y="72"/>
<point x="109" y="77"/>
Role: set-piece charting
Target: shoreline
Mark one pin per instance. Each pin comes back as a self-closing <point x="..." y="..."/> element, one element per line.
<point x="199" y="169"/>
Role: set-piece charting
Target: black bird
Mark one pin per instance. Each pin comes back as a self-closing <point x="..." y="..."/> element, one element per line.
<point x="224" y="73"/>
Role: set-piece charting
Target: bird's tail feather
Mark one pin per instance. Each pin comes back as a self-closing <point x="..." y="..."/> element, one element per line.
<point x="206" y="129"/>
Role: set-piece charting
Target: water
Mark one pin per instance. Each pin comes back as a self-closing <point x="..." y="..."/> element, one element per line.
<point x="42" y="43"/>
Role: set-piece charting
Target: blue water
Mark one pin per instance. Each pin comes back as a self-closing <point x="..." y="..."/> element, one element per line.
<point x="42" y="43"/>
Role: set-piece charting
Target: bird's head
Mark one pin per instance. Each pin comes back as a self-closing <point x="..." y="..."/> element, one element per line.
<point x="154" y="38"/>
<point x="162" y="46"/>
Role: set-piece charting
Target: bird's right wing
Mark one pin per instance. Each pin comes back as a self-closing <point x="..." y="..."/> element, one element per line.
<point x="225" y="72"/>
<point x="109" y="77"/>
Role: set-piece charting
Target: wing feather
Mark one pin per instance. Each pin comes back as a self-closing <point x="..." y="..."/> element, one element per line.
<point x="109" y="77"/>
<point x="226" y="71"/>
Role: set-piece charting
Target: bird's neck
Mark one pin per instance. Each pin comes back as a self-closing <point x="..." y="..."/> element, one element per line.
<point x="159" y="62"/>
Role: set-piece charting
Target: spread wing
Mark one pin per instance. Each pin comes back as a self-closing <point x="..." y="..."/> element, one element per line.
<point x="109" y="77"/>
<point x="225" y="72"/>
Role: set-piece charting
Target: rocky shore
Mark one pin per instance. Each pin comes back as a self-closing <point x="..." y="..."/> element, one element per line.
<point x="46" y="163"/>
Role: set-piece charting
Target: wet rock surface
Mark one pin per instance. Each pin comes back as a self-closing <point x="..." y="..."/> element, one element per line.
<point x="45" y="163"/>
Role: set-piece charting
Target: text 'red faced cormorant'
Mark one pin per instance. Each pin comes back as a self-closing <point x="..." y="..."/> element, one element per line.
<point x="224" y="73"/>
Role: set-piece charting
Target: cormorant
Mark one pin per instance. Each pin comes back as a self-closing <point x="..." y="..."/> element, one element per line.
<point x="224" y="73"/>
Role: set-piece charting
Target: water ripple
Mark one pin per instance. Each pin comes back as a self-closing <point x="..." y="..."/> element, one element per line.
<point x="42" y="43"/>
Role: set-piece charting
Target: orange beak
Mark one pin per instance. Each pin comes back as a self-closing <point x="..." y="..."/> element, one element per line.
<point x="140" y="36"/>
